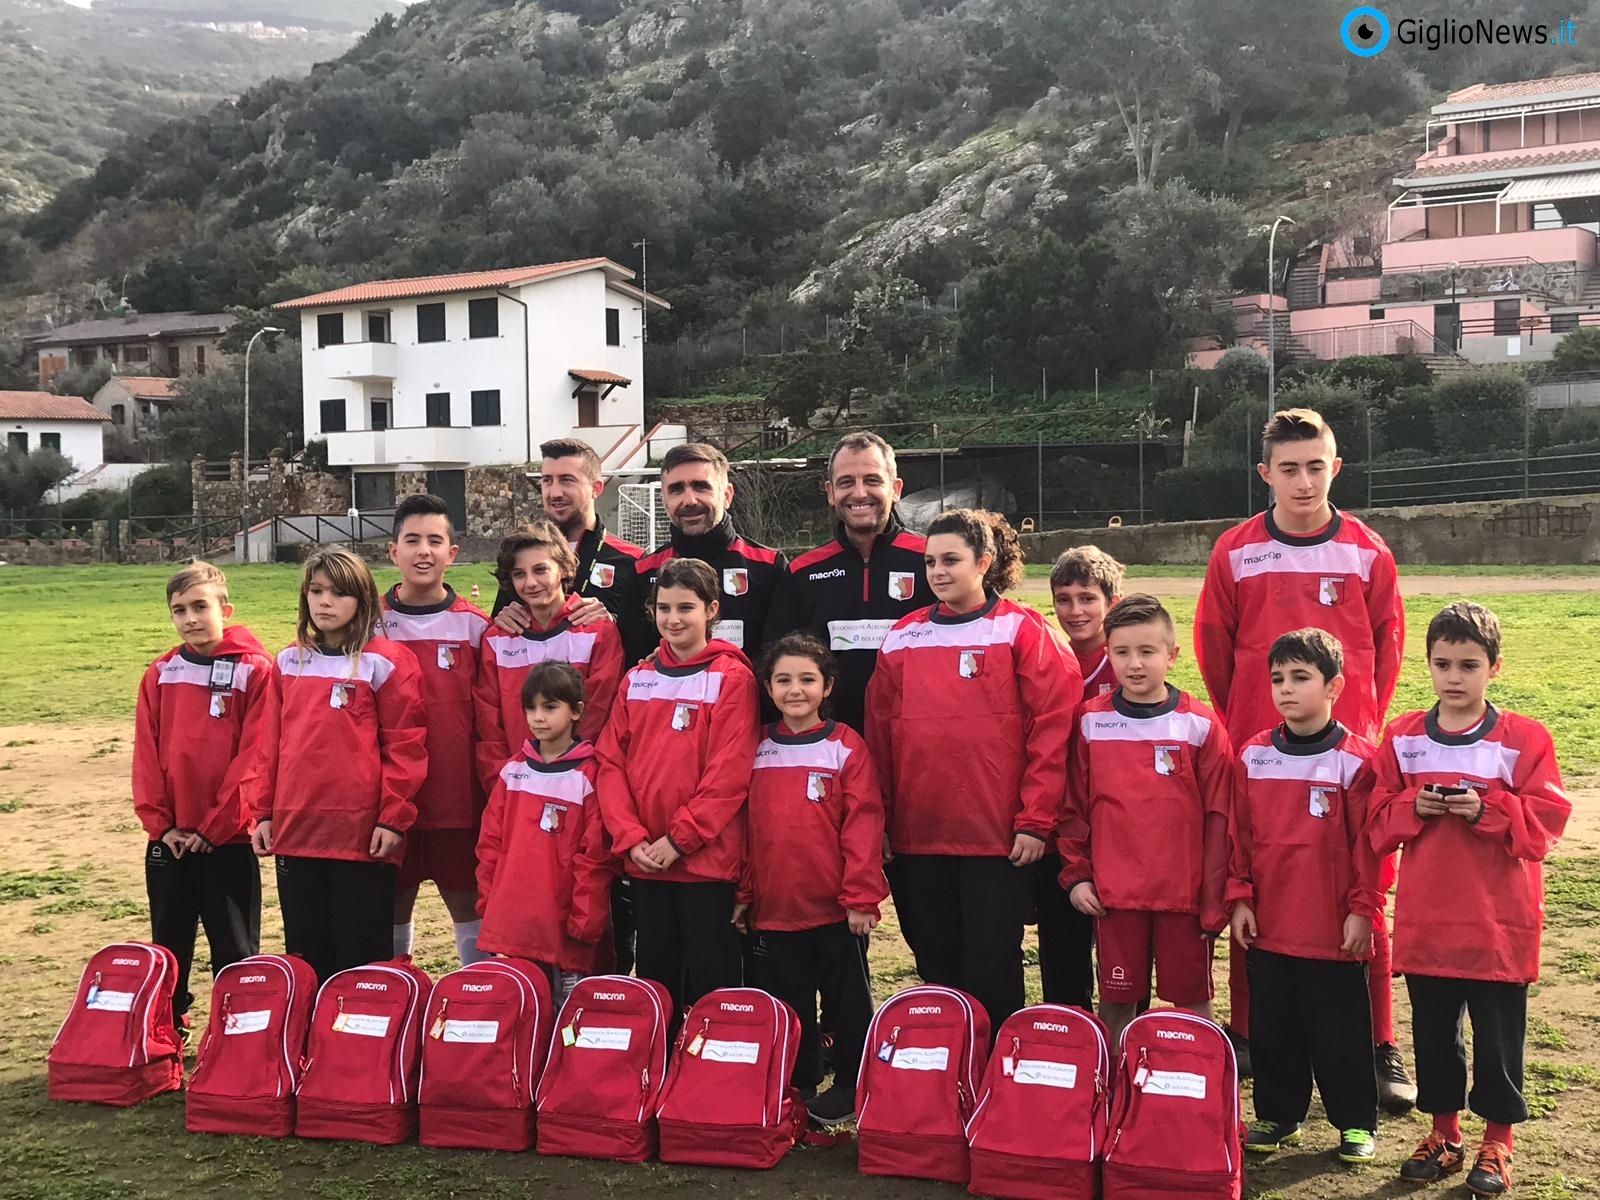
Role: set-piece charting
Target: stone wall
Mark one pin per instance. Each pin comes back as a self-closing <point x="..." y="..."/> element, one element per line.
<point x="1551" y="531"/>
<point x="76" y="551"/>
<point x="283" y="491"/>
<point x="498" y="500"/>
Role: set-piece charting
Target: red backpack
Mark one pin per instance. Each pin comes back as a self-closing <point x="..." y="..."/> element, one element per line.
<point x="1040" y="1126"/>
<point x="487" y="1036"/>
<point x="249" y="1063"/>
<point x="728" y="1102"/>
<point x="362" y="1055"/>
<point x="608" y="1059"/>
<point x="926" y="1049"/>
<point x="1175" y="1125"/>
<point x="118" y="1045"/>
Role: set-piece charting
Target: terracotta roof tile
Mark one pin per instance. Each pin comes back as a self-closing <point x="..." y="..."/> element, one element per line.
<point x="588" y="376"/>
<point x="1461" y="165"/>
<point x="146" y="387"/>
<point x="46" y="406"/>
<point x="435" y="285"/>
<point x="1520" y="89"/>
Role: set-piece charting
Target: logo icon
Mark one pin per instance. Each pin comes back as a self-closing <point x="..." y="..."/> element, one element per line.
<point x="1330" y="590"/>
<point x="219" y="704"/>
<point x="550" y="819"/>
<point x="602" y="575"/>
<point x="902" y="584"/>
<point x="971" y="664"/>
<point x="735" y="580"/>
<point x="447" y="657"/>
<point x="339" y="695"/>
<point x="1321" y="801"/>
<point x="818" y="785"/>
<point x="683" y="716"/>
<point x="1166" y="760"/>
<point x="1364" y="31"/>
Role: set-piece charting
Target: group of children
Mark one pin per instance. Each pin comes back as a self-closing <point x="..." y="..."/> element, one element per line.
<point x="525" y="773"/>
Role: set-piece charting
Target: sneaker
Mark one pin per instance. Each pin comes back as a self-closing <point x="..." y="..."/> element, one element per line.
<point x="1356" y="1146"/>
<point x="1265" y="1137"/>
<point x="1433" y="1160"/>
<point x="1491" y="1173"/>
<point x="1397" y="1095"/>
<point x="1241" y="1051"/>
<point x="836" y="1106"/>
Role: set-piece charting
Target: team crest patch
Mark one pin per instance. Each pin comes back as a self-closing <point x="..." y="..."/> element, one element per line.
<point x="1321" y="801"/>
<point x="1166" y="760"/>
<point x="219" y="704"/>
<point x="602" y="575"/>
<point x="1330" y="590"/>
<point x="683" y="716"/>
<point x="819" y="785"/>
<point x="971" y="665"/>
<point x="1106" y="689"/>
<point x="339" y="695"/>
<point x="447" y="657"/>
<point x="735" y="580"/>
<point x="550" y="818"/>
<point x="902" y="584"/>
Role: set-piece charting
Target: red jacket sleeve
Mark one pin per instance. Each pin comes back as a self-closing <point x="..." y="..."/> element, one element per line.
<point x="1392" y="817"/>
<point x="617" y="805"/>
<point x="861" y="837"/>
<point x="1366" y="882"/>
<point x="402" y="743"/>
<point x="883" y="705"/>
<point x="492" y="751"/>
<point x="259" y="798"/>
<point x="1216" y="622"/>
<point x="1387" y="612"/>
<point x="151" y="802"/>
<point x="491" y="841"/>
<point x="1531" y="816"/>
<point x="600" y="685"/>
<point x="593" y="869"/>
<point x="724" y="784"/>
<point x="1241" y="846"/>
<point x="1051" y="686"/>
<point x="1073" y="837"/>
<point x="1216" y="770"/>
<point x="248" y="773"/>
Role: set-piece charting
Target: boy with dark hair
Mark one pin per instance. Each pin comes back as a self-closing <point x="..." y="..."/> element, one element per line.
<point x="1304" y="564"/>
<point x="1144" y="842"/>
<point x="1473" y="794"/>
<point x="1303" y="885"/>
<point x="443" y="631"/>
<point x="203" y="738"/>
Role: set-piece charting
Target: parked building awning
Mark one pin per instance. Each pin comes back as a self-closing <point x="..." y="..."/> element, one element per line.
<point x="1546" y="188"/>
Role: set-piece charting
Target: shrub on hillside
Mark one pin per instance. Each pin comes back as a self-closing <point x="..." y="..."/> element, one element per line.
<point x="1240" y="372"/>
<point x="1203" y="493"/>
<point x="1407" y="420"/>
<point x="1577" y="352"/>
<point x="1480" y="411"/>
<point x="1381" y="375"/>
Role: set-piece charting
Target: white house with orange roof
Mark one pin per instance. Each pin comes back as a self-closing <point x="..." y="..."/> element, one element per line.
<point x="69" y="425"/>
<point x="446" y="372"/>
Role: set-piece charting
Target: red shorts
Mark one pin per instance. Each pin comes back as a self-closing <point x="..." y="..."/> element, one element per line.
<point x="449" y="857"/>
<point x="1130" y="941"/>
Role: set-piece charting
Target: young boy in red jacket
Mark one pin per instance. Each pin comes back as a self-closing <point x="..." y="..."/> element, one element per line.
<point x="1304" y="564"/>
<point x="1144" y="843"/>
<point x="1303" y="885"/>
<point x="1474" y="796"/>
<point x="202" y="731"/>
<point x="423" y="613"/>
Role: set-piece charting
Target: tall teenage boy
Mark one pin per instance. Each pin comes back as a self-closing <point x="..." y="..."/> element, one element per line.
<point x="1304" y="564"/>
<point x="423" y="613"/>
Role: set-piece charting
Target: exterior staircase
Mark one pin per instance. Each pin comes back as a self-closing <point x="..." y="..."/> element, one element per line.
<point x="1304" y="289"/>
<point x="1447" y="366"/>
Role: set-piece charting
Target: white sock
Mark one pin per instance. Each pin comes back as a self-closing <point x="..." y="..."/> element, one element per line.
<point x="402" y="939"/>
<point x="467" y="942"/>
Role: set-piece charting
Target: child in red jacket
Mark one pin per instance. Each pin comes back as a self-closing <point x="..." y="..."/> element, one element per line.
<point x="443" y="632"/>
<point x="202" y="737"/>
<point x="1303" y="884"/>
<point x="815" y="874"/>
<point x="675" y="763"/>
<point x="351" y="755"/>
<point x="969" y="715"/>
<point x="1474" y="796"/>
<point x="544" y="864"/>
<point x="1144" y="843"/>
<point x="538" y="566"/>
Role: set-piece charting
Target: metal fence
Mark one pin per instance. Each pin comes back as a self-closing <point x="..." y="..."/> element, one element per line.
<point x="1513" y="477"/>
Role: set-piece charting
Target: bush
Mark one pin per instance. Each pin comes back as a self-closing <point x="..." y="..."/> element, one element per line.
<point x="1344" y="407"/>
<point x="1577" y="351"/>
<point x="1407" y="420"/>
<point x="1202" y="493"/>
<point x="1240" y="372"/>
<point x="1382" y="375"/>
<point x="1233" y="438"/>
<point x="1480" y="411"/>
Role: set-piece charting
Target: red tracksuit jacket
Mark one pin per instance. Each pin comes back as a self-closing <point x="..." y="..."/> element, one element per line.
<point x="1298" y="850"/>
<point x="203" y="738"/>
<point x="445" y="639"/>
<point x="352" y="750"/>
<point x="816" y="829"/>
<point x="1147" y="806"/>
<point x="675" y="761"/>
<point x="1261" y="583"/>
<point x="1098" y="677"/>
<point x="1471" y="897"/>
<point x="595" y="650"/>
<point x="968" y="718"/>
<point x="544" y="865"/>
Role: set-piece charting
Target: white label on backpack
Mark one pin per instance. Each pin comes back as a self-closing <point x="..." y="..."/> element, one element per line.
<point x="731" y="1052"/>
<point x="480" y="1032"/>
<point x="1046" y="1073"/>
<point x="604" y="1037"/>
<point x="104" y="1001"/>
<point x="365" y="1024"/>
<point x="1184" y="1084"/>
<point x="920" y="1058"/>
<point x="247" y="1022"/>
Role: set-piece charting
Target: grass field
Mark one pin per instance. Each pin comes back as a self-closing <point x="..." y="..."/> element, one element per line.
<point x="71" y="880"/>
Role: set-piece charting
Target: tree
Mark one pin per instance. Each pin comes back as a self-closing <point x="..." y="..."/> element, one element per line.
<point x="1577" y="352"/>
<point x="208" y="416"/>
<point x="824" y="378"/>
<point x="25" y="478"/>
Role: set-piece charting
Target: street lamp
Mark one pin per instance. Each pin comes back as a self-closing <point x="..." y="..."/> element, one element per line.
<point x="1272" y="317"/>
<point x="270" y="331"/>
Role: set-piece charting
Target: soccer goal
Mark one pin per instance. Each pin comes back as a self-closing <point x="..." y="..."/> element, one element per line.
<point x="641" y="517"/>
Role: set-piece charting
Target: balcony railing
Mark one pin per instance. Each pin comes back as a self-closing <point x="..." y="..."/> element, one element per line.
<point x="356" y="360"/>
<point x="1377" y="337"/>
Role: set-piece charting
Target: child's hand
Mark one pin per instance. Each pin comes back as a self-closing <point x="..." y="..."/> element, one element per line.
<point x="861" y="923"/>
<point x="1086" y="899"/>
<point x="588" y="612"/>
<point x="199" y="845"/>
<point x="1026" y="850"/>
<point x="1430" y="803"/>
<point x="739" y="921"/>
<point x="641" y="857"/>
<point x="1357" y="936"/>
<point x="664" y="852"/>
<point x="888" y="854"/>
<point x="1243" y="924"/>
<point x="384" y="842"/>
<point x="513" y="618"/>
<point x="177" y="841"/>
<point x="1469" y="807"/>
<point x="261" y="838"/>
